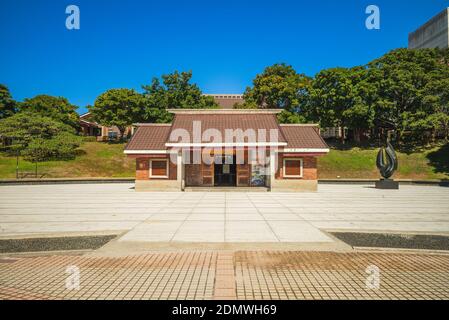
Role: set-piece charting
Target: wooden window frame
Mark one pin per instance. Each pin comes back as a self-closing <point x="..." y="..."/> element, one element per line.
<point x="167" y="168"/>
<point x="284" y="175"/>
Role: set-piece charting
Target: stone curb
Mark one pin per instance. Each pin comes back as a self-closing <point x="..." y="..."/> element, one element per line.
<point x="443" y="183"/>
<point x="65" y="181"/>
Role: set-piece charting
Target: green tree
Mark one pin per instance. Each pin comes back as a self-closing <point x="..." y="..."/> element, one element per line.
<point x="173" y="92"/>
<point x="342" y="97"/>
<point x="437" y="100"/>
<point x="58" y="108"/>
<point x="26" y="126"/>
<point x="7" y="104"/>
<point x="118" y="107"/>
<point x="411" y="88"/>
<point x="60" y="147"/>
<point x="278" y="87"/>
<point x="39" y="138"/>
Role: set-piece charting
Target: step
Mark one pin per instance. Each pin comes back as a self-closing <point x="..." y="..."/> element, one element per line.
<point x="226" y="189"/>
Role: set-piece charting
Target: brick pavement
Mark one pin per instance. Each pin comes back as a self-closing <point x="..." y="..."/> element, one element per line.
<point x="228" y="275"/>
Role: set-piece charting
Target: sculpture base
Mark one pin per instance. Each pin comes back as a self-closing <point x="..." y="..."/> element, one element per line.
<point x="387" y="184"/>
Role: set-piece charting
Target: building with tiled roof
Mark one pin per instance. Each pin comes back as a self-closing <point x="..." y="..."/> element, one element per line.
<point x="226" y="147"/>
<point x="227" y="101"/>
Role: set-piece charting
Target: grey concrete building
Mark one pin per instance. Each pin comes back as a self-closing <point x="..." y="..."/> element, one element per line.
<point x="433" y="34"/>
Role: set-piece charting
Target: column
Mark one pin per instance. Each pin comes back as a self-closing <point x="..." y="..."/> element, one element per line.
<point x="180" y="171"/>
<point x="272" y="167"/>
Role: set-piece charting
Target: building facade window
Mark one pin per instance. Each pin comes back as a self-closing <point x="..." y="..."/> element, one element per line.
<point x="292" y="168"/>
<point x="159" y="168"/>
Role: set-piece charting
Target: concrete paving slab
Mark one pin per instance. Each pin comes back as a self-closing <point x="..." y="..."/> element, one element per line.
<point x="206" y="217"/>
<point x="238" y="210"/>
<point x="168" y="217"/>
<point x="153" y="231"/>
<point x="281" y="217"/>
<point x="253" y="217"/>
<point x="209" y="210"/>
<point x="244" y="217"/>
<point x="297" y="231"/>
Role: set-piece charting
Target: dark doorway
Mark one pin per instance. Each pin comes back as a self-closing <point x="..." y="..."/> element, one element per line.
<point x="225" y="172"/>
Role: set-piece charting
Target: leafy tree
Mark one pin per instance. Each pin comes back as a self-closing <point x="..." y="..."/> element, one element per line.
<point x="408" y="89"/>
<point x="411" y="89"/>
<point x="26" y="126"/>
<point x="7" y="104"/>
<point x="278" y="87"/>
<point x="342" y="97"/>
<point x="437" y="99"/>
<point x="58" y="108"/>
<point x="175" y="91"/>
<point x="118" y="107"/>
<point x="39" y="138"/>
<point x="61" y="147"/>
<point x="291" y="117"/>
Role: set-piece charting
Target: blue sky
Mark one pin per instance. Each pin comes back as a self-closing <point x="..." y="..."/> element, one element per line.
<point x="225" y="43"/>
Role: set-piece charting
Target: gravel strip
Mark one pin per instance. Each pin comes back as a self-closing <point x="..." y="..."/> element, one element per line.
<point x="400" y="241"/>
<point x="54" y="244"/>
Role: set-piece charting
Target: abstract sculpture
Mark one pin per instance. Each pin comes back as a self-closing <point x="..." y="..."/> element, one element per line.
<point x="387" y="163"/>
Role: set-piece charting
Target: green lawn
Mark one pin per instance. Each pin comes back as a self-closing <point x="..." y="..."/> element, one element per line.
<point x="361" y="164"/>
<point x="96" y="159"/>
<point x="99" y="159"/>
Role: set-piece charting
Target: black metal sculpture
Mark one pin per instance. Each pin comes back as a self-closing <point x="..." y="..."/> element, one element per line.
<point x="387" y="163"/>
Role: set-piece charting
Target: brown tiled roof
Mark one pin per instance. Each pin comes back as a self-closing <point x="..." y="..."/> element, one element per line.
<point x="149" y="137"/>
<point x="155" y="137"/>
<point x="303" y="137"/>
<point x="227" y="101"/>
<point x="228" y="120"/>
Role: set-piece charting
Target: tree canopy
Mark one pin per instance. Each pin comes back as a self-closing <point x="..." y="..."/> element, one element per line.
<point x="58" y="108"/>
<point x="7" y="104"/>
<point x="175" y="91"/>
<point x="341" y="97"/>
<point x="406" y="89"/>
<point x="412" y="90"/>
<point x="118" y="107"/>
<point x="39" y="138"/>
<point x="278" y="87"/>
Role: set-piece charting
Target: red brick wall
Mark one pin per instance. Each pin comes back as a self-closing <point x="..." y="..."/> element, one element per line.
<point x="143" y="168"/>
<point x="309" y="169"/>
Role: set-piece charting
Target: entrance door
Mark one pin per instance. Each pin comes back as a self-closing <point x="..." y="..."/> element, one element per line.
<point x="225" y="173"/>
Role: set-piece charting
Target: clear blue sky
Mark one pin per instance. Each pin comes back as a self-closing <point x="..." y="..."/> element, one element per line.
<point x="225" y="43"/>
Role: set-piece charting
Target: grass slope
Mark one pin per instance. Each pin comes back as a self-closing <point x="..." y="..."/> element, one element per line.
<point x="361" y="164"/>
<point x="98" y="159"/>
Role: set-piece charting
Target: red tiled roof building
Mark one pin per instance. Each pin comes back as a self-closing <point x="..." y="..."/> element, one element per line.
<point x="226" y="148"/>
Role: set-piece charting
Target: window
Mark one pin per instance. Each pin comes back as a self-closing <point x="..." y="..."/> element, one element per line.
<point x="159" y="168"/>
<point x="292" y="168"/>
<point x="112" y="135"/>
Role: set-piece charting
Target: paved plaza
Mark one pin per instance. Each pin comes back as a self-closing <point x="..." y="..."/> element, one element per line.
<point x="137" y="265"/>
<point x="218" y="217"/>
<point x="229" y="275"/>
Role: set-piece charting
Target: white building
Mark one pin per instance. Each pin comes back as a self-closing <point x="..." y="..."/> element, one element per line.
<point x="433" y="34"/>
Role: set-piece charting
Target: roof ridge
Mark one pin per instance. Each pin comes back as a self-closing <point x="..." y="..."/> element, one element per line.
<point x="152" y="124"/>
<point x="224" y="111"/>
<point x="299" y="124"/>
